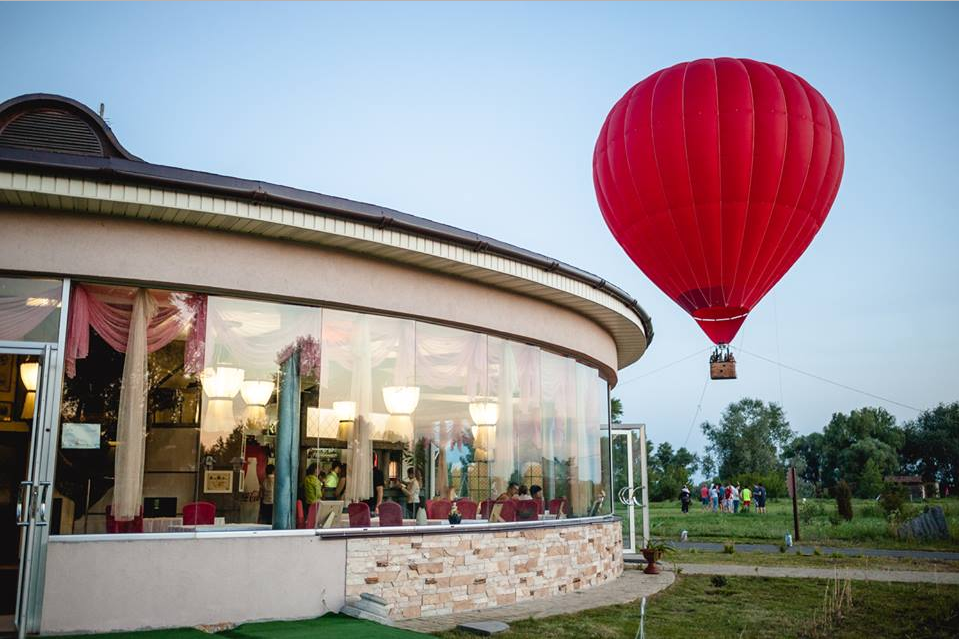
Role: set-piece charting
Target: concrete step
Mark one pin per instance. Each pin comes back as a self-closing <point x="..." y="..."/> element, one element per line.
<point x="357" y="613"/>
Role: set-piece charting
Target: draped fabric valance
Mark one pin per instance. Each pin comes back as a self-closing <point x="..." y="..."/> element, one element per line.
<point x="108" y="311"/>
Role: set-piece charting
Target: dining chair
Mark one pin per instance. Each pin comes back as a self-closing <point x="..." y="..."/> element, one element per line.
<point x="526" y="510"/>
<point x="359" y="515"/>
<point x="134" y="525"/>
<point x="391" y="514"/>
<point x="438" y="508"/>
<point x="199" y="513"/>
<point x="558" y="507"/>
<point x="467" y="508"/>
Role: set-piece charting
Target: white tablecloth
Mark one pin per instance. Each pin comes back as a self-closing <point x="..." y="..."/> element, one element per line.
<point x="164" y="524"/>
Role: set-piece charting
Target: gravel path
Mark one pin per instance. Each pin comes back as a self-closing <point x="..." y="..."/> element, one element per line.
<point x="859" y="574"/>
<point x="807" y="549"/>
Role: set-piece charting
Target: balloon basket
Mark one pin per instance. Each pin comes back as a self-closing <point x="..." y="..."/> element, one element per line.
<point x="722" y="370"/>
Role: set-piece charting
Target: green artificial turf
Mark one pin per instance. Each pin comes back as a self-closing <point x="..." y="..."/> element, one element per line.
<point x="330" y="626"/>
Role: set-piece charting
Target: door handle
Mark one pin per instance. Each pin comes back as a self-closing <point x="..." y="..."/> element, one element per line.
<point x="44" y="490"/>
<point x="22" y="517"/>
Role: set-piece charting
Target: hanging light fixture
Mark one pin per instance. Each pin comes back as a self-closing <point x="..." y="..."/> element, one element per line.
<point x="221" y="384"/>
<point x="29" y="375"/>
<point x="256" y="395"/>
<point x="345" y="412"/>
<point x="400" y="402"/>
<point x="484" y="411"/>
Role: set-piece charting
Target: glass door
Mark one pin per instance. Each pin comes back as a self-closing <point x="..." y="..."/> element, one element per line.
<point x="630" y="494"/>
<point x="26" y="382"/>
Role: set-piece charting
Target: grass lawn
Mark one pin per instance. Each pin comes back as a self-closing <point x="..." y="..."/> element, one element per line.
<point x="793" y="558"/>
<point x="759" y="608"/>
<point x="867" y="528"/>
<point x="330" y="626"/>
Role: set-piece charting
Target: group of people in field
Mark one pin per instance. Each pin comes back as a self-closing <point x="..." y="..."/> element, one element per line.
<point x="731" y="498"/>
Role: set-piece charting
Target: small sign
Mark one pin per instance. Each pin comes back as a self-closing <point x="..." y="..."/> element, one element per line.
<point x="218" y="481"/>
<point x="80" y="436"/>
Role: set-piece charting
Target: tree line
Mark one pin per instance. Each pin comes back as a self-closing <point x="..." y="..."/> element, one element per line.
<point x="753" y="442"/>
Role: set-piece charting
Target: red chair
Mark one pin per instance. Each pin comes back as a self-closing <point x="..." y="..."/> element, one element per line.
<point x="508" y="510"/>
<point x="134" y="525"/>
<point x="359" y="515"/>
<point x="438" y="508"/>
<point x="391" y="514"/>
<point x="485" y="508"/>
<point x="540" y="505"/>
<point x="311" y="515"/>
<point x="527" y="510"/>
<point x="199" y="513"/>
<point x="558" y="507"/>
<point x="300" y="520"/>
<point x="467" y="508"/>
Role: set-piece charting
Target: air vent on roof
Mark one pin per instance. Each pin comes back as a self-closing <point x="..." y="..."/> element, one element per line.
<point x="51" y="130"/>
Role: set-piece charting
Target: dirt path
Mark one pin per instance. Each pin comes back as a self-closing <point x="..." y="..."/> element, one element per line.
<point x="859" y="574"/>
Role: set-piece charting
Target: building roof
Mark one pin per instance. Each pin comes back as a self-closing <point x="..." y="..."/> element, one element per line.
<point x="48" y="134"/>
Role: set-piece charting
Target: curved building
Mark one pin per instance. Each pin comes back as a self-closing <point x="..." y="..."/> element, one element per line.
<point x="209" y="382"/>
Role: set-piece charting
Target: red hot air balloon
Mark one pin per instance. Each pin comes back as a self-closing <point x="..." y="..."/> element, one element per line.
<point x="714" y="176"/>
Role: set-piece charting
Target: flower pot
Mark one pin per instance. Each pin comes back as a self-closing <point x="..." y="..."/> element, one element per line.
<point x="651" y="556"/>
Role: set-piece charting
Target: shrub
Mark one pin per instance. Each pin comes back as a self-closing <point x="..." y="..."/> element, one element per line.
<point x="810" y="509"/>
<point x="835" y="519"/>
<point x="844" y="500"/>
<point x="782" y="548"/>
<point x="892" y="498"/>
<point x="718" y="581"/>
<point x="729" y="547"/>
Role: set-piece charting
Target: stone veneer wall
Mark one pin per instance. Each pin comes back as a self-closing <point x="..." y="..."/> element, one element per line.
<point x="442" y="573"/>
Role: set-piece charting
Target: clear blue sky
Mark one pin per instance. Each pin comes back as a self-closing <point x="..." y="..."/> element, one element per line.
<point x="484" y="116"/>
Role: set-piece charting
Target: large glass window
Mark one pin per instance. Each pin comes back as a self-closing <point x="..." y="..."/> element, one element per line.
<point x="184" y="410"/>
<point x="29" y="309"/>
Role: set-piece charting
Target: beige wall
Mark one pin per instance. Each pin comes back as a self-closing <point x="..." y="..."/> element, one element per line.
<point x="157" y="583"/>
<point x="111" y="248"/>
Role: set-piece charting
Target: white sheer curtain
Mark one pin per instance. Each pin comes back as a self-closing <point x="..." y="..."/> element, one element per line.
<point x="506" y="380"/>
<point x="359" y="484"/>
<point x="20" y="314"/>
<point x="132" y="415"/>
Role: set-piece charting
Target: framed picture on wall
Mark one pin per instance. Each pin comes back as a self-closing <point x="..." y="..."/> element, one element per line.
<point x="6" y="375"/>
<point x="218" y="481"/>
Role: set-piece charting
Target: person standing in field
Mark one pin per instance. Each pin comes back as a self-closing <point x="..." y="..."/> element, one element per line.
<point x="684" y="499"/>
<point x="704" y="497"/>
<point x="735" y="496"/>
<point x="714" y="496"/>
<point x="728" y="495"/>
<point x="761" y="499"/>
<point x="747" y="497"/>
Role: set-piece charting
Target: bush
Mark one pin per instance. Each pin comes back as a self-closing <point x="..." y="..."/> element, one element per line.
<point x="844" y="499"/>
<point x="892" y="498"/>
<point x="718" y="581"/>
<point x="835" y="519"/>
<point x="810" y="509"/>
<point x="729" y="548"/>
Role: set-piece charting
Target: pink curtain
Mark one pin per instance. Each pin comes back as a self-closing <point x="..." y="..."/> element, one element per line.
<point x="108" y="311"/>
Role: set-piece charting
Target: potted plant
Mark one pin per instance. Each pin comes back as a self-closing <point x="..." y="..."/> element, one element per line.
<point x="653" y="552"/>
<point x="455" y="516"/>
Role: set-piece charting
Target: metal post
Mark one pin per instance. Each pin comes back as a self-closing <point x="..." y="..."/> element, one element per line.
<point x="644" y="478"/>
<point x="792" y="483"/>
<point x="287" y="445"/>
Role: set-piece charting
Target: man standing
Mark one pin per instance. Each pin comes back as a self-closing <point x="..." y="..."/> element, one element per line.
<point x="761" y="499"/>
<point x="704" y="497"/>
<point x="684" y="499"/>
<point x="747" y="497"/>
<point x="735" y="496"/>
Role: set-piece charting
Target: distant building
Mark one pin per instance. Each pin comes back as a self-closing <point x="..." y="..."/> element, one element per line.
<point x="918" y="489"/>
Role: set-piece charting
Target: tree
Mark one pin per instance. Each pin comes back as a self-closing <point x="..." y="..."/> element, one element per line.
<point x="616" y="410"/>
<point x="849" y="441"/>
<point x="669" y="471"/>
<point x="870" y="480"/>
<point x="931" y="447"/>
<point x="807" y="453"/>
<point x="749" y="438"/>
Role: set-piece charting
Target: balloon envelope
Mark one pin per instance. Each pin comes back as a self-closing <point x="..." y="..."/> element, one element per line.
<point x="714" y="176"/>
